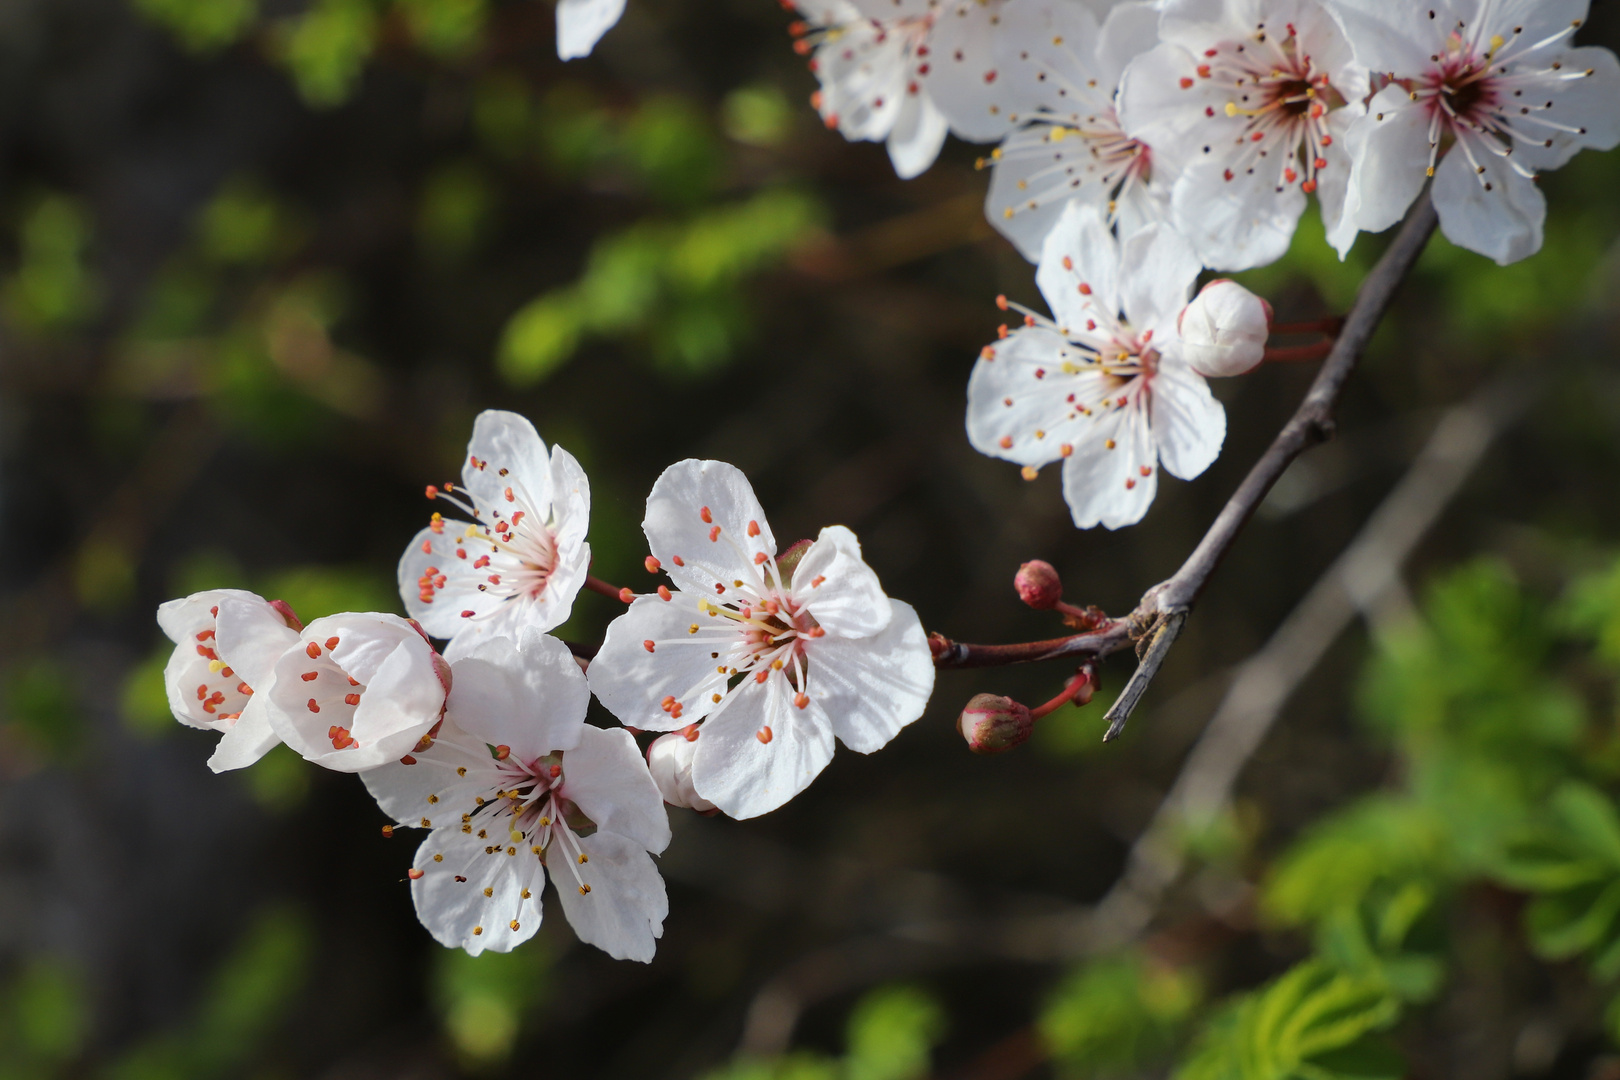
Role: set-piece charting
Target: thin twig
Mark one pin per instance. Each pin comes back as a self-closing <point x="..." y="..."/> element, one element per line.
<point x="1159" y="639"/>
<point x="1110" y="638"/>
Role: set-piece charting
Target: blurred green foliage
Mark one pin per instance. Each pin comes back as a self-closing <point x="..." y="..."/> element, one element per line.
<point x="1118" y="1016"/>
<point x="52" y="288"/>
<point x="202" y="26"/>
<point x="484" y="1000"/>
<point x="890" y="1035"/>
<point x="41" y="704"/>
<point x="44" y="1018"/>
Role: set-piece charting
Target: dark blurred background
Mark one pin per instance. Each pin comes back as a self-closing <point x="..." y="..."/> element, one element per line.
<point x="262" y="261"/>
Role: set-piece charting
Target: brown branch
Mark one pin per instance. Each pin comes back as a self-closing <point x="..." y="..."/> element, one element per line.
<point x="1110" y="638"/>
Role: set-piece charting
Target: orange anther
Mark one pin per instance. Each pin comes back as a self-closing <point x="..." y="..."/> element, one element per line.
<point x="509" y="496"/>
<point x="388" y="832"/>
<point x="626" y="596"/>
<point x="310" y="676"/>
<point x="663" y="592"/>
<point x="708" y="518"/>
<point x="815" y="582"/>
<point x="414" y="874"/>
<point x="714" y="534"/>
<point x="432" y="492"/>
<point x="801" y="700"/>
<point x="763" y="735"/>
<point x="653" y="565"/>
<point x="312" y="706"/>
<point x="502" y="752"/>
<point x="331" y="643"/>
<point x="648" y="645"/>
<point x="753" y="528"/>
<point x="351" y="699"/>
<point x="759" y="558"/>
<point x="762" y="674"/>
<point x="690" y="732"/>
<point x="312" y="650"/>
<point x="678" y="561"/>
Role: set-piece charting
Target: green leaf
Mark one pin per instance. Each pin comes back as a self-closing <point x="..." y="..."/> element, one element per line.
<point x="891" y="1032"/>
<point x="1119" y="1013"/>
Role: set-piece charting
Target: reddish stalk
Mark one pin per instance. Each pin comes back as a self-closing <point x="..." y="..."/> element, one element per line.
<point x="1330" y="325"/>
<point x="597" y="585"/>
<point x="1294" y="354"/>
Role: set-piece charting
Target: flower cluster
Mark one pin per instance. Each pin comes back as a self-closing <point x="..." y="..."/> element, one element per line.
<point x="1121" y="125"/>
<point x="758" y="659"/>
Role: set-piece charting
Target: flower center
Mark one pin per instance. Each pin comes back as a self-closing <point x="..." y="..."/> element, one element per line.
<point x="513" y="545"/>
<point x="1064" y="156"/>
<point x="331" y="691"/>
<point x="221" y="695"/>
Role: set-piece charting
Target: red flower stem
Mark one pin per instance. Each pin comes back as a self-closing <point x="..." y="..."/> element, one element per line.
<point x="1290" y="354"/>
<point x="597" y="585"/>
<point x="1074" y="686"/>
<point x="1330" y="326"/>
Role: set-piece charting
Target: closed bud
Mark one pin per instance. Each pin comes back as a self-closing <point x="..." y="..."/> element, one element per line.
<point x="669" y="759"/>
<point x="1038" y="585"/>
<point x="1224" y="330"/>
<point x="991" y="724"/>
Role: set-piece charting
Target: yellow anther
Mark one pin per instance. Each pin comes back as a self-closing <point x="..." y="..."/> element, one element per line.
<point x="544" y="822"/>
<point x="1231" y="108"/>
<point x="525" y="894"/>
<point x="1030" y="472"/>
<point x="1059" y="133"/>
<point x="216" y="666"/>
<point x="516" y="836"/>
<point x="1070" y="368"/>
<point x="584" y="858"/>
<point x="472" y="530"/>
<point x="489" y="891"/>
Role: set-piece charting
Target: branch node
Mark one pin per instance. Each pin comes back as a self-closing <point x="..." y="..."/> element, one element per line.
<point x="1153" y="647"/>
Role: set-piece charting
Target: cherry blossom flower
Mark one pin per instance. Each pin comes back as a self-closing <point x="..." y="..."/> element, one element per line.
<point x="522" y="560"/>
<point x="357" y="690"/>
<point x="1054" y="55"/>
<point x="1256" y="96"/>
<point x="515" y="785"/>
<point x="905" y="72"/>
<point x="1103" y="386"/>
<point x="768" y="657"/>
<point x="227" y="643"/>
<point x="581" y="24"/>
<point x="669" y="759"/>
<point x="1224" y="330"/>
<point x="1483" y="96"/>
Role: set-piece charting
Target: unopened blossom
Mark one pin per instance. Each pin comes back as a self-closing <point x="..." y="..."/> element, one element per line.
<point x="765" y="663"/>
<point x="357" y="690"/>
<point x="522" y="558"/>
<point x="516" y="787"/>
<point x="1224" y="330"/>
<point x="905" y="72"/>
<point x="1482" y="96"/>
<point x="1102" y="385"/>
<point x="669" y="759"/>
<point x="1063" y="69"/>
<point x="581" y="24"/>
<point x="226" y="644"/>
<point x="1255" y="96"/>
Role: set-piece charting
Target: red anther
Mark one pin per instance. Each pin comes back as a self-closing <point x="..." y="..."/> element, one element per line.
<point x="1186" y="83"/>
<point x="331" y="643"/>
<point x="495" y="579"/>
<point x="815" y="582"/>
<point x="708" y="518"/>
<point x="1085" y="290"/>
<point x="312" y="706"/>
<point x="1040" y="373"/>
<point x="414" y="874"/>
<point x="719" y="587"/>
<point x="714" y="534"/>
<point x="509" y="496"/>
<point x="432" y="492"/>
<point x="990" y="76"/>
<point x="802" y="47"/>
<point x="668" y="703"/>
<point x="1327" y="140"/>
<point x="1001" y="302"/>
<point x="675" y="713"/>
<point x="653" y="565"/>
<point x="663" y="592"/>
<point x="1257" y="136"/>
<point x="310" y="676"/>
<point x="1005" y="442"/>
<point x="1144" y="470"/>
<point x="517" y="517"/>
<point x="690" y="733"/>
<point x="1068" y="263"/>
<point x="1289" y="175"/>
<point x="1120" y="401"/>
<point x="1091" y="324"/>
<point x="1211" y="52"/>
<point x="818" y="631"/>
<point x="427" y="547"/>
<point x="202" y="692"/>
<point x="753" y="528"/>
<point x="1029" y="320"/>
<point x="798" y="28"/>
<point x="1320" y="163"/>
<point x="356" y="682"/>
<point x="1067" y="449"/>
<point x="406" y="760"/>
<point x="772" y="606"/>
<point x="1308" y="186"/>
<point x="801" y="700"/>
<point x="438" y="582"/>
<point x="747" y="612"/>
<point x="436" y="526"/>
<point x="988" y="352"/>
<point x="759" y="558"/>
<point x="763" y="735"/>
<point x="626" y="596"/>
<point x="913" y="88"/>
<point x="205" y="651"/>
<point x="244" y="688"/>
<point x="648" y="645"/>
<point x="448" y="486"/>
<point x="388" y="832"/>
<point x="351" y="699"/>
<point x="678" y="562"/>
<point x="205" y="635"/>
<point x="762" y="674"/>
<point x="313" y="651"/>
<point x="1203" y="71"/>
<point x="208" y="707"/>
<point x="1228" y="174"/>
<point x="1001" y="331"/>
<point x="480" y="562"/>
<point x="468" y="614"/>
<point x="502" y="752"/>
<point x="815" y="98"/>
<point x="1130" y="483"/>
<point x="214" y="611"/>
<point x="556" y="771"/>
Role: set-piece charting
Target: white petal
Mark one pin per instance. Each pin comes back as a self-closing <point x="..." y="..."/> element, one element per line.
<point x="526" y="693"/>
<point x="200" y="695"/>
<point x="1047" y="58"/>
<point x="1157" y="270"/>
<point x="457" y="913"/>
<point x="1155" y="106"/>
<point x="1106" y="486"/>
<point x="963" y="79"/>
<point x="1503" y="221"/>
<point x="251" y="637"/>
<point x="746" y="776"/>
<point x="872" y="687"/>
<point x="1079" y="251"/>
<point x="1130" y="29"/>
<point x="916" y="137"/>
<point x="581" y="24"/>
<point x="1394" y="36"/>
<point x="623" y="914"/>
<point x="1590" y="104"/>
<point x="838" y="588"/>
<point x="1235" y="217"/>
<point x="676" y="527"/>
<point x="247" y="740"/>
<point x="633" y="682"/>
<point x="669" y="760"/>
<point x="440" y="784"/>
<point x="1333" y="182"/>
<point x="506" y="440"/>
<point x="1008" y="400"/>
<point x="1189" y="425"/>
<point x="605" y="776"/>
<point x="1390" y="149"/>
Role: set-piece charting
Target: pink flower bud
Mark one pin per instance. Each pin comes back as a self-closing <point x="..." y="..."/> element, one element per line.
<point x="991" y="724"/>
<point x="669" y="759"/>
<point x="1224" y="330"/>
<point x="1038" y="585"/>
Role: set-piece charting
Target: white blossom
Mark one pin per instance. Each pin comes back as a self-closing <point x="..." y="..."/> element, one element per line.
<point x="515" y="787"/>
<point x="1224" y="330"/>
<point x="1103" y="385"/>
<point x="1483" y="96"/>
<point x="357" y="690"/>
<point x="227" y="642"/>
<point x="522" y="559"/>
<point x="1065" y="69"/>
<point x="581" y="24"/>
<point x="669" y="759"/>
<point x="1256" y="97"/>
<point x="770" y="662"/>
<point x="907" y="71"/>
